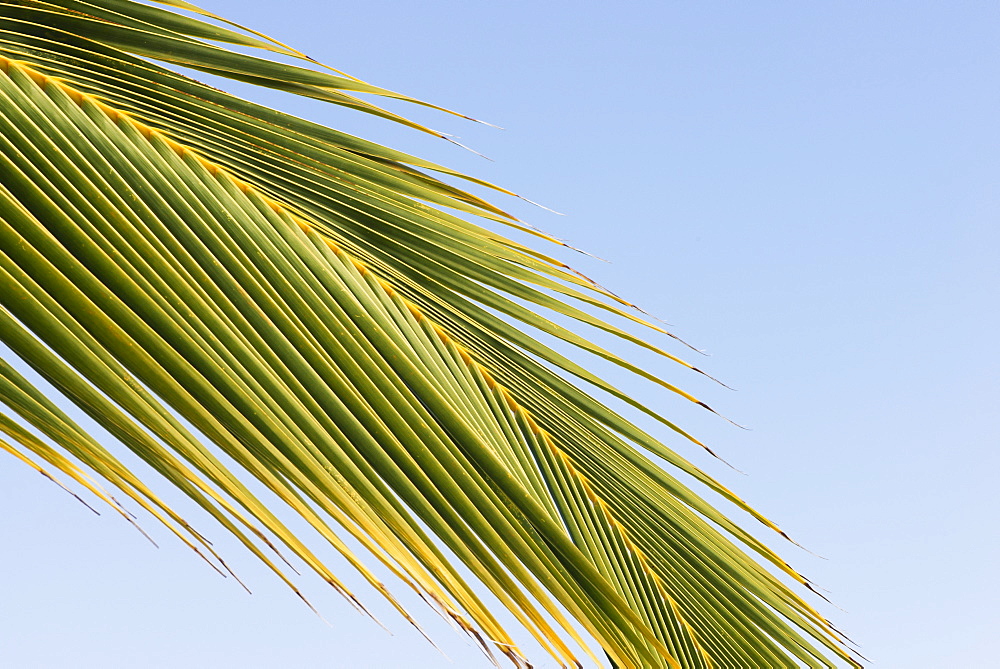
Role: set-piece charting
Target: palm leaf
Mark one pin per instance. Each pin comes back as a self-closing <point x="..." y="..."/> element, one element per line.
<point x="213" y="281"/>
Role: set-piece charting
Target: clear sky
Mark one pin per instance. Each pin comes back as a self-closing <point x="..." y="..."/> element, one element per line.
<point x="807" y="191"/>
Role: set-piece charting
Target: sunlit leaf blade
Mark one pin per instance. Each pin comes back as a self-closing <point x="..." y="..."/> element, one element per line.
<point x="212" y="281"/>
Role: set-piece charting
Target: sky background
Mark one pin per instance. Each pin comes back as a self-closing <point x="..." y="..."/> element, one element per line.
<point x="808" y="192"/>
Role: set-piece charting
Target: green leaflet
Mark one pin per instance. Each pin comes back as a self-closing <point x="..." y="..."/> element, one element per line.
<point x="305" y="301"/>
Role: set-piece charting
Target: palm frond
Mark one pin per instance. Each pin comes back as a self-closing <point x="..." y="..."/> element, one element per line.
<point x="207" y="277"/>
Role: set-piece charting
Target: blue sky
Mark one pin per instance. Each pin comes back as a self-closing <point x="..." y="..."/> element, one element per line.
<point x="808" y="192"/>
